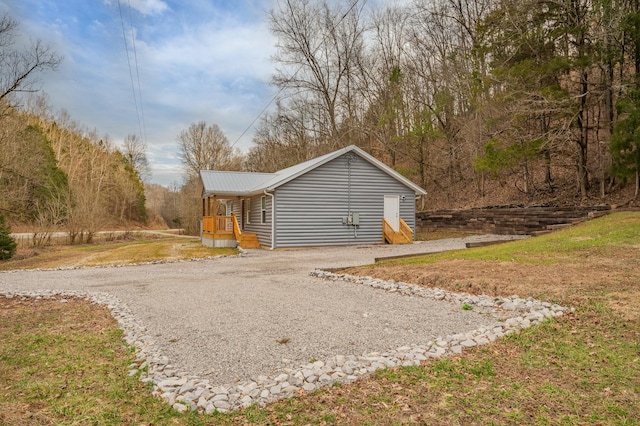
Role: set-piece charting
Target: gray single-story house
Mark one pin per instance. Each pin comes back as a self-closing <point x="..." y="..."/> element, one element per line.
<point x="342" y="198"/>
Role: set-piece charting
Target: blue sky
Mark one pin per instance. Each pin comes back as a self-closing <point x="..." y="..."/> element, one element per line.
<point x="197" y="60"/>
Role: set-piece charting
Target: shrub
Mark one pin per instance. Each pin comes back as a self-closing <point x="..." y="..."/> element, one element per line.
<point x="7" y="243"/>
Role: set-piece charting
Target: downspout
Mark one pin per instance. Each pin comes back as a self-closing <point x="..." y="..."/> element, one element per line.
<point x="350" y="159"/>
<point x="273" y="218"/>
<point x="415" y="213"/>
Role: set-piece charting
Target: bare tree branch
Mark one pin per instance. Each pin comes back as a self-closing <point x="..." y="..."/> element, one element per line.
<point x="19" y="67"/>
<point x="135" y="151"/>
<point x="204" y="147"/>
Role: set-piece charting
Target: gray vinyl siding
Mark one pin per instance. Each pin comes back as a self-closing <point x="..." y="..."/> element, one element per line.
<point x="236" y="207"/>
<point x="310" y="208"/>
<point x="262" y="230"/>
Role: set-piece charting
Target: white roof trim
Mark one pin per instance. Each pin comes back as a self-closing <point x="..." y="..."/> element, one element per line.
<point x="274" y="180"/>
<point x="317" y="162"/>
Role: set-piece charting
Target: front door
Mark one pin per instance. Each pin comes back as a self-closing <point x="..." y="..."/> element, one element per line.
<point x="392" y="211"/>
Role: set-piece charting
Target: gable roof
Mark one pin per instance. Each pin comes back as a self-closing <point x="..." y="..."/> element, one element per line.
<point x="246" y="183"/>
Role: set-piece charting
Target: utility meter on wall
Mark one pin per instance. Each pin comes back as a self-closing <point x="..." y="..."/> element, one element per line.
<point x="352" y="219"/>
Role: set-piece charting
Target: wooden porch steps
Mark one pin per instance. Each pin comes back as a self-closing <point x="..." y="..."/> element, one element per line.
<point x="390" y="236"/>
<point x="248" y="241"/>
<point x="396" y="238"/>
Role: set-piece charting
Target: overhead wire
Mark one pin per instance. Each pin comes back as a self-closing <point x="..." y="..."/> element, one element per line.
<point x="275" y="96"/>
<point x="135" y="60"/>
<point x="133" y="88"/>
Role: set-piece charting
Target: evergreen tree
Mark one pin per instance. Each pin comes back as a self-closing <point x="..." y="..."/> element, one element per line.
<point x="625" y="141"/>
<point x="530" y="110"/>
<point x="7" y="243"/>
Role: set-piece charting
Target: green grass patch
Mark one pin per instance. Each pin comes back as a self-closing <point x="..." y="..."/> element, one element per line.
<point x="592" y="238"/>
<point x="66" y="365"/>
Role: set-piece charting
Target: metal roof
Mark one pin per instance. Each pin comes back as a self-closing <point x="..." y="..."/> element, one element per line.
<point x="246" y="183"/>
<point x="232" y="183"/>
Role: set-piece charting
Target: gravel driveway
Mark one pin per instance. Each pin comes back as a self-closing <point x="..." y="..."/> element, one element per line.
<point x="230" y="319"/>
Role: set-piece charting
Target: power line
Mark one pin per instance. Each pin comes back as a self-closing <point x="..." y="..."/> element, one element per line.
<point x="135" y="59"/>
<point x="275" y="96"/>
<point x="126" y="49"/>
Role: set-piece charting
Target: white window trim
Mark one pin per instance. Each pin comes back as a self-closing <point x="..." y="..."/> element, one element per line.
<point x="263" y="209"/>
<point x="247" y="206"/>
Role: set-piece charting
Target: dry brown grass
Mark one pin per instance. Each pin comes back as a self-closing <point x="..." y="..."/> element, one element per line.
<point x="615" y="278"/>
<point x="425" y="234"/>
<point x="112" y="253"/>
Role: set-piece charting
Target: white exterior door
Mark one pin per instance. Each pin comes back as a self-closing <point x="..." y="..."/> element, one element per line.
<point x="392" y="211"/>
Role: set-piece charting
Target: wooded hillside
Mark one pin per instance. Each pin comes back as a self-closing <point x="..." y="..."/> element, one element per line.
<point x="479" y="101"/>
<point x="57" y="175"/>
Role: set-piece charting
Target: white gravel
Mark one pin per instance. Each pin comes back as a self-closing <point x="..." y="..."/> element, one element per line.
<point x="231" y="319"/>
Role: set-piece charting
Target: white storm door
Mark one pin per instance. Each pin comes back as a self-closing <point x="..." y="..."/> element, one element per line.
<point x="392" y="211"/>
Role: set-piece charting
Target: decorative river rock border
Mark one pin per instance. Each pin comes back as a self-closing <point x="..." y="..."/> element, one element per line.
<point x="184" y="391"/>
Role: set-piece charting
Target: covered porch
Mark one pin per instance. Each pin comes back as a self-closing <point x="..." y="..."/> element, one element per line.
<point x="220" y="229"/>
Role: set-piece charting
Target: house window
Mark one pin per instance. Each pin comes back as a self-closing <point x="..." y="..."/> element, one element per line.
<point x="248" y="214"/>
<point x="263" y="209"/>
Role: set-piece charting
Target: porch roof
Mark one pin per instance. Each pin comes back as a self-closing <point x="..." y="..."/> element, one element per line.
<point x="232" y="183"/>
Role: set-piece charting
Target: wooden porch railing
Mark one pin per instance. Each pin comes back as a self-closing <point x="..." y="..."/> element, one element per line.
<point x="226" y="228"/>
<point x="237" y="232"/>
<point x="406" y="231"/>
<point x="207" y="224"/>
<point x="387" y="231"/>
<point x="218" y="224"/>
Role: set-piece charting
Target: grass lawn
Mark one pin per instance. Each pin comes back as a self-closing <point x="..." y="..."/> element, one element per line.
<point x="64" y="363"/>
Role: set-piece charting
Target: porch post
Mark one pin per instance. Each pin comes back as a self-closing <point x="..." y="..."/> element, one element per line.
<point x="215" y="213"/>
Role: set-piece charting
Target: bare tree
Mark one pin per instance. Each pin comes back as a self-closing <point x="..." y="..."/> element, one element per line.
<point x="204" y="147"/>
<point x="135" y="151"/>
<point x="318" y="47"/>
<point x="19" y="67"/>
<point x="452" y="92"/>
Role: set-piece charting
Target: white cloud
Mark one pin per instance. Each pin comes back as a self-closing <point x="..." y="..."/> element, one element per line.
<point x="146" y="7"/>
<point x="222" y="51"/>
<point x="149" y="7"/>
<point x="216" y="72"/>
<point x="166" y="168"/>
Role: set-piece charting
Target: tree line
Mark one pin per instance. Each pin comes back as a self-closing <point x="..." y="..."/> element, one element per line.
<point x="464" y="97"/>
<point x="56" y="174"/>
<point x="461" y="96"/>
<point x="534" y="94"/>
